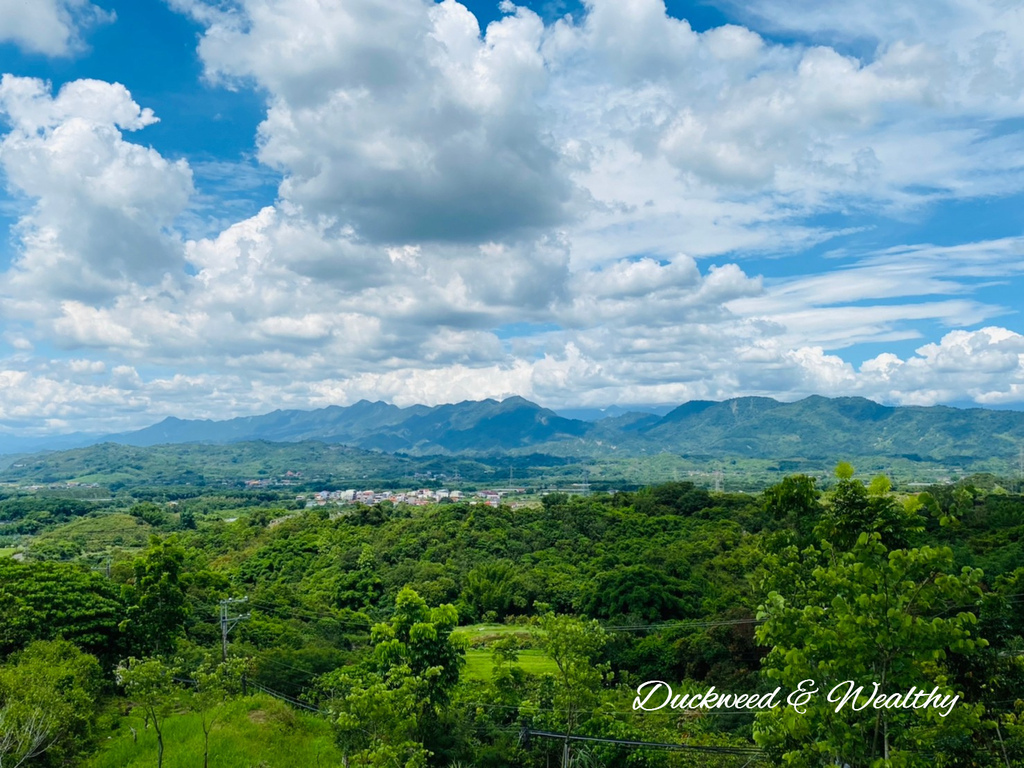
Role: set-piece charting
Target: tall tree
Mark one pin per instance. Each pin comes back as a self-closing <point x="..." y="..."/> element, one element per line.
<point x="388" y="709"/>
<point x="213" y="681"/>
<point x="576" y="647"/>
<point x="857" y="609"/>
<point x="155" y="597"/>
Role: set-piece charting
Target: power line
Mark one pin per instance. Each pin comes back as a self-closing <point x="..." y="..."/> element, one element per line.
<point x="228" y="622"/>
<point x="289" y="666"/>
<point x="527" y="733"/>
<point x="307" y="614"/>
<point x="289" y="699"/>
<point x="616" y="713"/>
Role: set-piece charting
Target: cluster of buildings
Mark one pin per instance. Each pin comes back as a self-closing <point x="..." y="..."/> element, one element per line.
<point x="421" y="497"/>
<point x="70" y="485"/>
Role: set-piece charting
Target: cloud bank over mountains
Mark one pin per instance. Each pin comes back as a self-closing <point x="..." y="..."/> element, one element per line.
<point x="577" y="211"/>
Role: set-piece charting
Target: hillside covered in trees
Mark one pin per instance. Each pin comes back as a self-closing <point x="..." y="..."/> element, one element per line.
<point x="467" y="635"/>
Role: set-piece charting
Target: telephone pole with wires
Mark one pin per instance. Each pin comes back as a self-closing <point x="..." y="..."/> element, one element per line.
<point x="227" y="621"/>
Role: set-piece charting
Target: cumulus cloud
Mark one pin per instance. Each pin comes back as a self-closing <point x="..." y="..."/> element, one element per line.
<point x="51" y="27"/>
<point x="400" y="118"/>
<point x="986" y="366"/>
<point x="564" y="211"/>
<point x="101" y="207"/>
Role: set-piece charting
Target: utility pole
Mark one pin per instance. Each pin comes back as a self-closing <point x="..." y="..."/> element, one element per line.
<point x="227" y="622"/>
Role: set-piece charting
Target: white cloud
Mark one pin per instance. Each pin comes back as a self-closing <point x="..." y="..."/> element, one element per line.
<point x="398" y="118"/>
<point x="986" y="366"/>
<point x="102" y="207"/>
<point x="51" y="27"/>
<point x="591" y="188"/>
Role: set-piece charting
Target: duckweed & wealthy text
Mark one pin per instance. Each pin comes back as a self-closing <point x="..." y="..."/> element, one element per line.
<point x="654" y="695"/>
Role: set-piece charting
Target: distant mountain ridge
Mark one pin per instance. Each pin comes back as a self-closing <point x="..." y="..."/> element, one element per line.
<point x="473" y="425"/>
<point x="752" y="427"/>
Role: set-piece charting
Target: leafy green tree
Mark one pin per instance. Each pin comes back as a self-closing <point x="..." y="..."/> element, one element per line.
<point x="149" y="684"/>
<point x="360" y="587"/>
<point x="505" y="650"/>
<point x="377" y="720"/>
<point x="155" y="598"/>
<point x="677" y="498"/>
<point x="796" y="503"/>
<point x="508" y="680"/>
<point x="187" y="520"/>
<point x="637" y="592"/>
<point x="388" y="710"/>
<point x="870" y="614"/>
<point x="419" y="638"/>
<point x="852" y="509"/>
<point x="151" y="513"/>
<point x="493" y="588"/>
<point x="47" y="703"/>
<point x="43" y="601"/>
<point x="552" y="501"/>
<point x="576" y="647"/>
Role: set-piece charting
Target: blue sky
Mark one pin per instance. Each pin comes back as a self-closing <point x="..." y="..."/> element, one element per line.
<point x="221" y="208"/>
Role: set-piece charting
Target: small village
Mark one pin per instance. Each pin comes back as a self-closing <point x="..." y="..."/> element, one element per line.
<point x="421" y="497"/>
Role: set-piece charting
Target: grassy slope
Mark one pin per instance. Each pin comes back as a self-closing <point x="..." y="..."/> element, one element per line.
<point x="255" y="731"/>
<point x="102" y="532"/>
<point x="480" y="664"/>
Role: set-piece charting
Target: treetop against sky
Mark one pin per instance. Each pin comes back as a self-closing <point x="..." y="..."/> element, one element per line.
<point x="221" y="208"/>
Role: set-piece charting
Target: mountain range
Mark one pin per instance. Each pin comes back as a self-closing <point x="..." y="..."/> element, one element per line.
<point x="748" y="427"/>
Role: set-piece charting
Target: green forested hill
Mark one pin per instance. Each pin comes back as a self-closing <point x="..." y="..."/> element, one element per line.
<point x="433" y="636"/>
<point x="815" y="428"/>
<point x="819" y="427"/>
<point x="203" y="464"/>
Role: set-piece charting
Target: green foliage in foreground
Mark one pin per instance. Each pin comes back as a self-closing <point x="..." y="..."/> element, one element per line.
<point x="247" y="732"/>
<point x="358" y="614"/>
<point x="47" y="704"/>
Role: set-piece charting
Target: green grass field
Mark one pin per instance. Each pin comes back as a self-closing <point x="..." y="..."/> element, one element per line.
<point x="8" y="551"/>
<point x="254" y="731"/>
<point x="479" y="664"/>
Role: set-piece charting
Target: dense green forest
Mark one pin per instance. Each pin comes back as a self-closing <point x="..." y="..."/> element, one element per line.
<point x="462" y="634"/>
